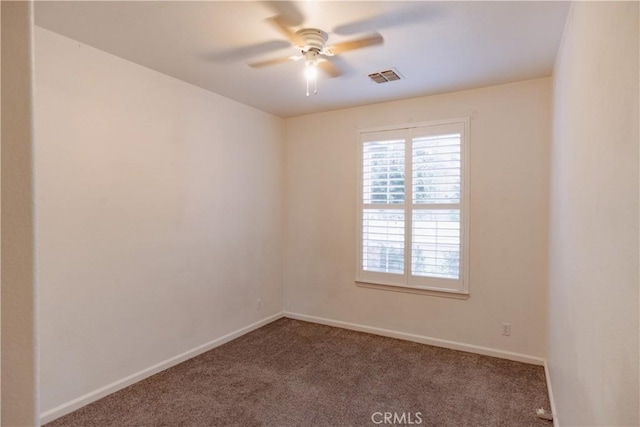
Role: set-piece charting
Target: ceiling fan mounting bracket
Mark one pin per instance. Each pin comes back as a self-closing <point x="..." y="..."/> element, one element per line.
<point x="314" y="38"/>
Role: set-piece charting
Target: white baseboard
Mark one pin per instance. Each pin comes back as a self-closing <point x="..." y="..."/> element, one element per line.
<point x="81" y="401"/>
<point x="453" y="345"/>
<point x="556" y="422"/>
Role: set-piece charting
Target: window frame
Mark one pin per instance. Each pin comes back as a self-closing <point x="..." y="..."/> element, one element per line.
<point x="407" y="282"/>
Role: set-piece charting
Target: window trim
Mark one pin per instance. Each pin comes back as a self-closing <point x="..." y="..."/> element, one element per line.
<point x="396" y="282"/>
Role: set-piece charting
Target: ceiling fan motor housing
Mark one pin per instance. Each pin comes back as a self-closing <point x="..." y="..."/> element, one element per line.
<point x="314" y="38"/>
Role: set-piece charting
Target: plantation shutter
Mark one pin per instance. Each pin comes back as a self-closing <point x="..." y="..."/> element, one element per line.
<point x="411" y="208"/>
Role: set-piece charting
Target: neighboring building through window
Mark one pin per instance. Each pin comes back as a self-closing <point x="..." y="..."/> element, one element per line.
<point x="413" y="217"/>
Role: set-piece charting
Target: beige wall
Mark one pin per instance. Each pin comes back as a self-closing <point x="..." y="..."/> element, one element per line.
<point x="509" y="161"/>
<point x="159" y="217"/>
<point x="19" y="336"/>
<point x="593" y="288"/>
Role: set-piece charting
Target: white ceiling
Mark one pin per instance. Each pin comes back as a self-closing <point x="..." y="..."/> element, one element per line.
<point x="436" y="46"/>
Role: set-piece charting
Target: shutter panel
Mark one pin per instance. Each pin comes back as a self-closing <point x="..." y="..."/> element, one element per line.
<point x="436" y="222"/>
<point x="436" y="169"/>
<point x="383" y="168"/>
<point x="383" y="240"/>
<point x="435" y="249"/>
<point x="383" y="172"/>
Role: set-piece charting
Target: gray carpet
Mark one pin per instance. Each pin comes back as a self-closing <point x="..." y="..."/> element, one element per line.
<point x="293" y="373"/>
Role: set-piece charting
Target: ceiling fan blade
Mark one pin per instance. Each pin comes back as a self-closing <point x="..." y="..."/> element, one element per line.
<point x="356" y="44"/>
<point x="274" y="61"/>
<point x="244" y="52"/>
<point x="329" y="68"/>
<point x="278" y="23"/>
<point x="288" y="11"/>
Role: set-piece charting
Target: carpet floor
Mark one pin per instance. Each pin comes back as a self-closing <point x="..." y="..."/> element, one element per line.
<point x="293" y="373"/>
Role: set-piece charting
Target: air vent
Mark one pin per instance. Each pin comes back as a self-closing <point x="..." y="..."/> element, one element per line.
<point x="385" y="76"/>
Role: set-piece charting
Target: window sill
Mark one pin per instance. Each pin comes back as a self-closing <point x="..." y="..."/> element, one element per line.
<point x="414" y="290"/>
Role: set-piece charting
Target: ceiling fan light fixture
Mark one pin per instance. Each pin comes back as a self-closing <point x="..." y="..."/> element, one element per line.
<point x="311" y="73"/>
<point x="311" y="70"/>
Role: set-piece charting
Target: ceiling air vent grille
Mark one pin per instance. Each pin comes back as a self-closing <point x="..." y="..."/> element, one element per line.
<point x="385" y="76"/>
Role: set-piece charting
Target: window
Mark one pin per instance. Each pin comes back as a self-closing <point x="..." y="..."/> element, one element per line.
<point x="412" y="207"/>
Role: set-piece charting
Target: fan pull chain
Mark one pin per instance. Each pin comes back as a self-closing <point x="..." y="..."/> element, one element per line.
<point x="315" y="87"/>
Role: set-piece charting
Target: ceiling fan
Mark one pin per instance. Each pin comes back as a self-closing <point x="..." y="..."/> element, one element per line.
<point x="312" y="43"/>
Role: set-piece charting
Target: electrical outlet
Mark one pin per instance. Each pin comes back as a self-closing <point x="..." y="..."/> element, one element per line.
<point x="506" y="329"/>
<point x="259" y="303"/>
